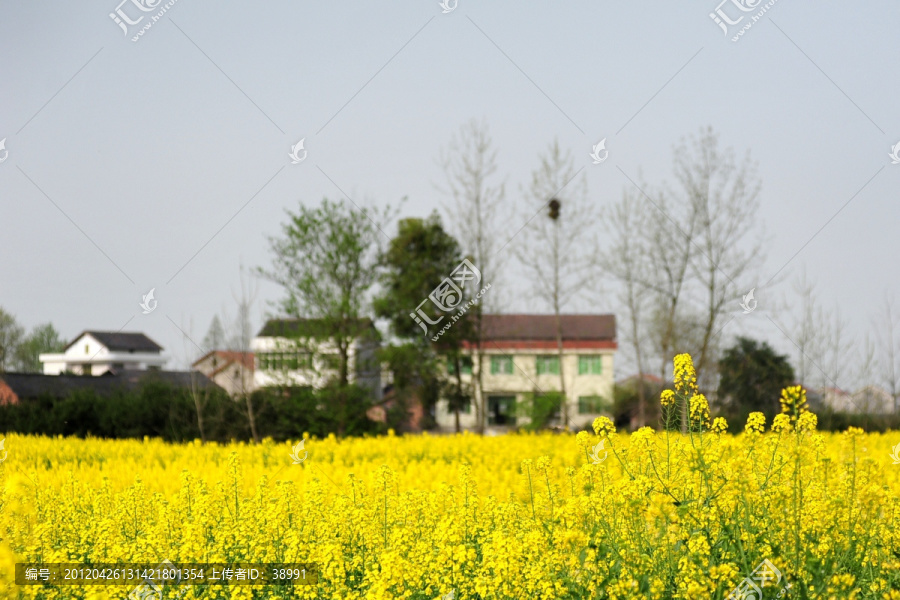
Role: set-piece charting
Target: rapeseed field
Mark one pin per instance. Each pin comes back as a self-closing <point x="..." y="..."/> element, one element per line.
<point x="689" y="512"/>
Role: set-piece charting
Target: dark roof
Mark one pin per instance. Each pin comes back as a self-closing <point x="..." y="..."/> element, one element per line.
<point x="543" y="327"/>
<point x="36" y="385"/>
<point x="120" y="340"/>
<point x="304" y="328"/>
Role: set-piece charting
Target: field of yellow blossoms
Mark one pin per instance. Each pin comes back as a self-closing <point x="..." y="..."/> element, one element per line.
<point x="686" y="514"/>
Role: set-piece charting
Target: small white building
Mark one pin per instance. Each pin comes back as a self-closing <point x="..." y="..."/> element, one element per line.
<point x="298" y="352"/>
<point x="99" y="352"/>
<point x="521" y="360"/>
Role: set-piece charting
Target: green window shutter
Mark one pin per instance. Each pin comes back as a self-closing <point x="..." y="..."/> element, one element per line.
<point x="502" y="365"/>
<point x="466" y="365"/>
<point x="590" y="364"/>
<point x="548" y="364"/>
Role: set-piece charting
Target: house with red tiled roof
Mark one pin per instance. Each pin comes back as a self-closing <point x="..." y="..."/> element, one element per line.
<point x="521" y="359"/>
<point x="231" y="370"/>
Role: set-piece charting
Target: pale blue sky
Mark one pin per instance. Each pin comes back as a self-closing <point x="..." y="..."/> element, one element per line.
<point x="150" y="148"/>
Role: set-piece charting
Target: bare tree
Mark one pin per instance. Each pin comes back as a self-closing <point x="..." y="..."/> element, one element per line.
<point x="10" y="336"/>
<point x="670" y="248"/>
<point x="889" y="347"/>
<point x="723" y="197"/>
<point x="806" y="331"/>
<point x="625" y="260"/>
<point x="865" y="375"/>
<point x="242" y="334"/>
<point x="556" y="252"/>
<point x="476" y="215"/>
<point x="199" y="394"/>
<point x="838" y="350"/>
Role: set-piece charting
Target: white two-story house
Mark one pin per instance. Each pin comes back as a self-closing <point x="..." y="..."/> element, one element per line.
<point x="99" y="352"/>
<point x="521" y="359"/>
<point x="297" y="352"/>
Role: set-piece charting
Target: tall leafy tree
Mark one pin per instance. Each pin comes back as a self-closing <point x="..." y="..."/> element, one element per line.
<point x="326" y="261"/>
<point x="413" y="264"/>
<point x="752" y="376"/>
<point x="43" y="339"/>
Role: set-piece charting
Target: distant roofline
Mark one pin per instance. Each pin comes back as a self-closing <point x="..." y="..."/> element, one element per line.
<point x="95" y="332"/>
<point x="223" y="353"/>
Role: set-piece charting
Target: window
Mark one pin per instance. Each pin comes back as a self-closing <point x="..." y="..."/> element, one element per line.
<point x="501" y="364"/>
<point x="278" y="361"/>
<point x="87" y="349"/>
<point x="501" y="410"/>
<point x="590" y="405"/>
<point x="85" y="369"/>
<point x="590" y="365"/>
<point x="548" y="364"/>
<point x="464" y="361"/>
<point x="466" y="407"/>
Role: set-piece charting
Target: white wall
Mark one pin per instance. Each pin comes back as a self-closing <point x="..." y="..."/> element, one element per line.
<point x="524" y="381"/>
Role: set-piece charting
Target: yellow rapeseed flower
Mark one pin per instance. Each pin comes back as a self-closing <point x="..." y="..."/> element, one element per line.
<point x="793" y="402"/>
<point x="654" y="515"/>
<point x="667" y="398"/>
<point x="756" y="423"/>
<point x="699" y="410"/>
<point x="685" y="377"/>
